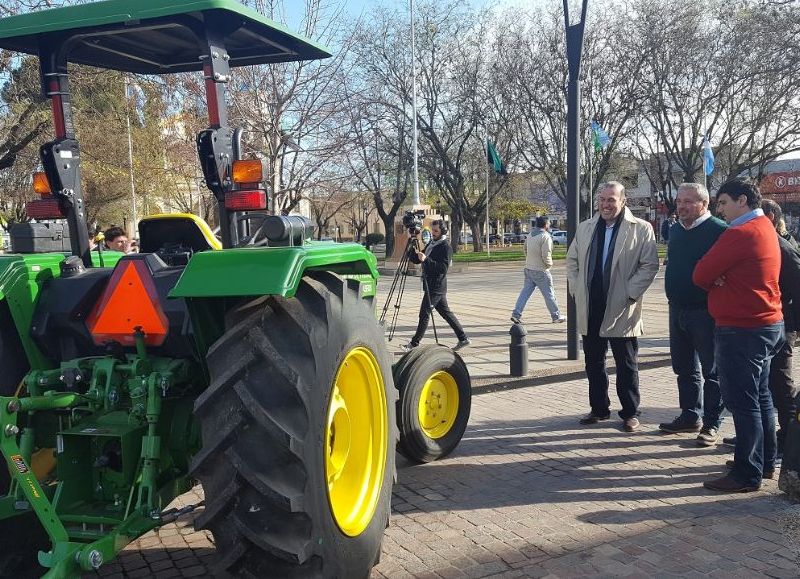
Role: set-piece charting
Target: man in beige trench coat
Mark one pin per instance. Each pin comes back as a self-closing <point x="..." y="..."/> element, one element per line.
<point x="610" y="264"/>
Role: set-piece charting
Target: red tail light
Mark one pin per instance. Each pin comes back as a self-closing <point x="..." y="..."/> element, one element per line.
<point x="44" y="209"/>
<point x="246" y="200"/>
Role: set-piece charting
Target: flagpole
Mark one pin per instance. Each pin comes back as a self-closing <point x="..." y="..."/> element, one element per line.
<point x="486" y="149"/>
<point x="414" y="105"/>
<point x="591" y="190"/>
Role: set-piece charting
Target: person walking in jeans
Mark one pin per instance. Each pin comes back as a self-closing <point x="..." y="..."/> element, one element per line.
<point x="538" y="261"/>
<point x="781" y="383"/>
<point x="691" y="327"/>
<point x="610" y="264"/>
<point x="741" y="273"/>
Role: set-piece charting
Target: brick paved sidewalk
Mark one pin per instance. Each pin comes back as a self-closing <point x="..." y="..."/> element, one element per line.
<point x="529" y="493"/>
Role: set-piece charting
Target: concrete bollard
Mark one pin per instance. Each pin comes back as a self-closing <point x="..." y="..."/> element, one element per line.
<point x="518" y="350"/>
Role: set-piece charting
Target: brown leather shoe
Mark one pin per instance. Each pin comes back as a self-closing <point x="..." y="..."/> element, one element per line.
<point x="631" y="424"/>
<point x="727" y="484"/>
<point x="770" y="474"/>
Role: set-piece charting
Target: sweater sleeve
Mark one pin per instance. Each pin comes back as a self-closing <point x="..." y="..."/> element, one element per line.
<point x="717" y="260"/>
<point x="547" y="251"/>
<point x="790" y="273"/>
<point x="412" y="255"/>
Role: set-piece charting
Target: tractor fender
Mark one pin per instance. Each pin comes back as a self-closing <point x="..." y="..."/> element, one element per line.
<point x="258" y="271"/>
<point x="21" y="279"/>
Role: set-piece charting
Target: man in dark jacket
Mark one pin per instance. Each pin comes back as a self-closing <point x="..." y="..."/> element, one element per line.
<point x="781" y="383"/>
<point x="435" y="260"/>
<point x="691" y="327"/>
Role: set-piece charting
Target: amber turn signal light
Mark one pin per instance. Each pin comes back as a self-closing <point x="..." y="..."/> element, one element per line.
<point x="40" y="183"/>
<point x="249" y="171"/>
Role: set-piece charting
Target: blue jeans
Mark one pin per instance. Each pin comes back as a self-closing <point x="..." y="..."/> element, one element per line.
<point x="691" y="347"/>
<point x="743" y="356"/>
<point x="544" y="281"/>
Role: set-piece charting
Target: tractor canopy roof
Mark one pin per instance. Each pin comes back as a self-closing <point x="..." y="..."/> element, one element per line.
<point x="154" y="36"/>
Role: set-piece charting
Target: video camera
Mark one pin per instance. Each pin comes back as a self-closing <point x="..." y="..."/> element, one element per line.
<point x="412" y="220"/>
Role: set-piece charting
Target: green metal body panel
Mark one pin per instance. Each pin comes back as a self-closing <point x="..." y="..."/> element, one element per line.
<point x="21" y="280"/>
<point x="154" y="36"/>
<point x="122" y="454"/>
<point x="272" y="270"/>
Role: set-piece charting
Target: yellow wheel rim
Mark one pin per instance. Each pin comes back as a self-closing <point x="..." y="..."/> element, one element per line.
<point x="356" y="441"/>
<point x="438" y="405"/>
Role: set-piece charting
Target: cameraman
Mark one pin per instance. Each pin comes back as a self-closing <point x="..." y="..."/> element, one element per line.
<point x="435" y="260"/>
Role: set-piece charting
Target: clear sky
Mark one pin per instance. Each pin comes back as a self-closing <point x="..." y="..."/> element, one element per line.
<point x="355" y="7"/>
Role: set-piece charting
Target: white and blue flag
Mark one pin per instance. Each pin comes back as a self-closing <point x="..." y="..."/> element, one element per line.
<point x="708" y="156"/>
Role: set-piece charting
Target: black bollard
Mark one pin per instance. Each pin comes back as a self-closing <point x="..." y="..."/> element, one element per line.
<point x="518" y="350"/>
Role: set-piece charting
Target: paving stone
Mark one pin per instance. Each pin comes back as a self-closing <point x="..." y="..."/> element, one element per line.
<point x="530" y="493"/>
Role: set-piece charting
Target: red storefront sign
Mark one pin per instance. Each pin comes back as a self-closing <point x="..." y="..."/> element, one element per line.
<point x="782" y="187"/>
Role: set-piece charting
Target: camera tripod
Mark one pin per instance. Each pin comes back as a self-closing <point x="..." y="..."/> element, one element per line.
<point x="398" y="287"/>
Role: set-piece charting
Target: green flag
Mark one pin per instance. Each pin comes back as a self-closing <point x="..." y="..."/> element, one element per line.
<point x="493" y="158"/>
<point x="600" y="138"/>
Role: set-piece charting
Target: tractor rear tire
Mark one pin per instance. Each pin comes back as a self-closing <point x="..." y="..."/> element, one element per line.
<point x="22" y="536"/>
<point x="13" y="360"/>
<point x="298" y="426"/>
<point x="434" y="405"/>
<point x="13" y="367"/>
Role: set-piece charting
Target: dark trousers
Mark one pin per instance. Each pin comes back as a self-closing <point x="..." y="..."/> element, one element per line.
<point x="781" y="385"/>
<point x="743" y="360"/>
<point x="625" y="351"/>
<point x="438" y="301"/>
<point x="691" y="347"/>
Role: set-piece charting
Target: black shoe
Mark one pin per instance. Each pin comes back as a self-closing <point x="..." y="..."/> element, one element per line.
<point x="516" y="320"/>
<point x="680" y="424"/>
<point x="729" y="441"/>
<point x="769" y="473"/>
<point x="462" y="344"/>
<point x="593" y="418"/>
<point x="727" y="484"/>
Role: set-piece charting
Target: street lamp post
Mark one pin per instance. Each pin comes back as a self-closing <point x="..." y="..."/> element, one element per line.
<point x="414" y="105"/>
<point x="574" y="38"/>
<point x="134" y="232"/>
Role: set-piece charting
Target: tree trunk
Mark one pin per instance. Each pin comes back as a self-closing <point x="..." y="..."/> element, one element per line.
<point x="477" y="236"/>
<point x="388" y="226"/>
<point x="455" y="230"/>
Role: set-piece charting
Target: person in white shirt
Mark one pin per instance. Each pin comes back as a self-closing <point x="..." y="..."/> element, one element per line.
<point x="538" y="261"/>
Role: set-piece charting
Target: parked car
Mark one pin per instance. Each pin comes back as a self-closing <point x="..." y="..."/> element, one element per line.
<point x="559" y="237"/>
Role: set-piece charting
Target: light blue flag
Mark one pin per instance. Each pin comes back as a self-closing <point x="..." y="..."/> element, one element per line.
<point x="600" y="138"/>
<point x="708" y="156"/>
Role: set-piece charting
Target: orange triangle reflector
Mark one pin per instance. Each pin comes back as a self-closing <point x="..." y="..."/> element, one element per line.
<point x="130" y="300"/>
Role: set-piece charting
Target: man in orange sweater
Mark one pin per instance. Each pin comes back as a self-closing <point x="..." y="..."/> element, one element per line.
<point x="740" y="273"/>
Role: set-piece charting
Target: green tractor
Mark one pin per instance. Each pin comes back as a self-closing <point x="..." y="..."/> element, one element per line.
<point x="255" y="365"/>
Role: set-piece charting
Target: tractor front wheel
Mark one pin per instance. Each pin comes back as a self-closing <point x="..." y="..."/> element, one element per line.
<point x="299" y="434"/>
<point x="435" y="400"/>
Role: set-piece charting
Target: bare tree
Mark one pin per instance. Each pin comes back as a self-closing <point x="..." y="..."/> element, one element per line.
<point x="328" y="201"/>
<point x="288" y="108"/>
<point x="719" y="70"/>
<point x="531" y="59"/>
<point x="358" y="212"/>
<point x="378" y="142"/>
